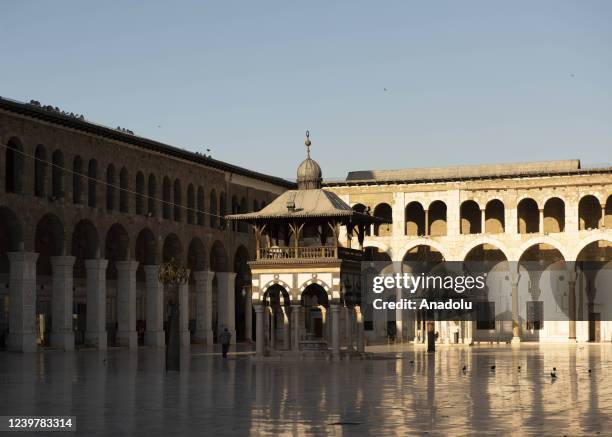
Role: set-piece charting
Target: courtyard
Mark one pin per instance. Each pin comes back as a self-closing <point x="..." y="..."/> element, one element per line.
<point x="399" y="390"/>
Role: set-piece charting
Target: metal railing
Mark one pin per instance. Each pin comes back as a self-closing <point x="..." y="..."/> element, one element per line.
<point x="310" y="252"/>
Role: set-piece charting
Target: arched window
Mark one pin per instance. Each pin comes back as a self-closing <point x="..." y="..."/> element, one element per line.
<point x="471" y="218"/>
<point x="123" y="190"/>
<point x="92" y="183"/>
<point x="495" y="222"/>
<point x="200" y="214"/>
<point x="14" y="167"/>
<point x="57" y="174"/>
<point x="190" y="204"/>
<point x="528" y="216"/>
<point x="167" y="206"/>
<point x="40" y="170"/>
<point x="554" y="215"/>
<point x="140" y="182"/>
<point x="437" y="219"/>
<point x="415" y="219"/>
<point x="177" y="200"/>
<point x="383" y="211"/>
<point x="589" y="213"/>
<point x="222" y="210"/>
<point x="152" y="194"/>
<point x="77" y="170"/>
<point x="110" y="187"/>
<point x="213" y="209"/>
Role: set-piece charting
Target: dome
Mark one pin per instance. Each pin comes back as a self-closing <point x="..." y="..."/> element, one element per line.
<point x="309" y="175"/>
<point x="308" y="172"/>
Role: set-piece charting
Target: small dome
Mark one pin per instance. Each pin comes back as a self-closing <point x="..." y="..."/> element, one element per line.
<point x="309" y="175"/>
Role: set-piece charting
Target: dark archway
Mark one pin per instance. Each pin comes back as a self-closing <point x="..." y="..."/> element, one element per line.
<point x="589" y="213"/>
<point x="85" y="245"/>
<point x="172" y="249"/>
<point x="528" y="216"/>
<point x="495" y="222"/>
<point x="437" y="219"/>
<point x="471" y="218"/>
<point x="145" y="252"/>
<point x="14" y="167"/>
<point x="415" y="219"/>
<point x="116" y="248"/>
<point x="49" y="242"/>
<point x="11" y="235"/>
<point x="554" y="215"/>
<point x="57" y="175"/>
<point x="383" y="211"/>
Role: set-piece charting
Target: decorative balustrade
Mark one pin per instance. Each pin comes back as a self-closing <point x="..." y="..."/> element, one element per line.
<point x="311" y="252"/>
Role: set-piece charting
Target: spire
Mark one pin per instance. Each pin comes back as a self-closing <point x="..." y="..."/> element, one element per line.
<point x="308" y="143"/>
<point x="309" y="172"/>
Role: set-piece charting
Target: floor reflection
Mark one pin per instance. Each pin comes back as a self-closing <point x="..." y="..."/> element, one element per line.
<point x="399" y="391"/>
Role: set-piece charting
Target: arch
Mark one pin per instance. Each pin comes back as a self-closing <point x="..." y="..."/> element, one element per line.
<point x="242" y="226"/>
<point x="471" y="218"/>
<point x="437" y="222"/>
<point x="200" y="207"/>
<point x="124" y="181"/>
<point x="172" y="249"/>
<point x="145" y="252"/>
<point x="49" y="241"/>
<point x="485" y="241"/>
<point x="383" y="211"/>
<point x="140" y="188"/>
<point x="607" y="220"/>
<point x="495" y="221"/>
<point x="528" y="216"/>
<point x="11" y="235"/>
<point x="485" y="252"/>
<point x="222" y="210"/>
<point x="77" y="187"/>
<point x="213" y="209"/>
<point x="317" y="289"/>
<point x="415" y="219"/>
<point x="92" y="183"/>
<point x="424" y="242"/>
<point x="152" y="193"/>
<point x="543" y="240"/>
<point x="116" y="248"/>
<point x="423" y="253"/>
<point x="589" y="213"/>
<point x="196" y="255"/>
<point x="110" y="187"/>
<point x="190" y="204"/>
<point x="554" y="215"/>
<point x="85" y="245"/>
<point x="585" y="242"/>
<point x="14" y="166"/>
<point x="40" y="170"/>
<point x="167" y="203"/>
<point x="177" y="200"/>
<point x="218" y="258"/>
<point x="57" y="175"/>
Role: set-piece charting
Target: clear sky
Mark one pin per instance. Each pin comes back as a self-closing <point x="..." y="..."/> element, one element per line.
<point x="466" y="81"/>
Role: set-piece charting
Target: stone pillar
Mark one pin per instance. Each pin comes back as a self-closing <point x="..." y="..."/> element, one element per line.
<point x="96" y="302"/>
<point x="62" y="332"/>
<point x="360" y="334"/>
<point x="349" y="328"/>
<point x="335" y="329"/>
<point x="603" y="217"/>
<point x="286" y="330"/>
<point x="259" y="330"/>
<point x="516" y="323"/>
<point x="203" y="289"/>
<point x="426" y="222"/>
<point x="571" y="280"/>
<point x="295" y="315"/>
<point x="126" y="303"/>
<point x="154" y="334"/>
<point x="225" y="284"/>
<point x="483" y="222"/>
<point x="248" y="316"/>
<point x="22" y="305"/>
<point x="183" y="301"/>
<point x="323" y="321"/>
<point x="541" y="221"/>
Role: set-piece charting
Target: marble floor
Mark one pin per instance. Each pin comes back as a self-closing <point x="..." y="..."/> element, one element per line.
<point x="399" y="391"/>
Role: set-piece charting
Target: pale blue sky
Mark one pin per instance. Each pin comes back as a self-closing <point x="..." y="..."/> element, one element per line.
<point x="467" y="82"/>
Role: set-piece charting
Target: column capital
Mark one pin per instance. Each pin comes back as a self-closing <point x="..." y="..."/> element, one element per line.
<point x="96" y="264"/>
<point x="128" y="265"/>
<point x="22" y="256"/>
<point x="228" y="275"/>
<point x="62" y="261"/>
<point x="203" y="275"/>
<point x="259" y="308"/>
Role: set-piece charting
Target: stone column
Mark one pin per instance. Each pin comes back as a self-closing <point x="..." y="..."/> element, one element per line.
<point x="248" y="316"/>
<point x="323" y="322"/>
<point x="603" y="217"/>
<point x="225" y="284"/>
<point x="183" y="302"/>
<point x="335" y="329"/>
<point x="259" y="330"/>
<point x="541" y="221"/>
<point x="203" y="289"/>
<point x="516" y="323"/>
<point x="154" y="334"/>
<point x="483" y="221"/>
<point x="571" y="280"/>
<point x="22" y="301"/>
<point x="360" y="334"/>
<point x="126" y="303"/>
<point x="426" y="222"/>
<point x="96" y="302"/>
<point x="295" y="315"/>
<point x="349" y="328"/>
<point x="62" y="332"/>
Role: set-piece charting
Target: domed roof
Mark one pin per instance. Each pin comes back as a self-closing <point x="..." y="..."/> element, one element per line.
<point x="309" y="173"/>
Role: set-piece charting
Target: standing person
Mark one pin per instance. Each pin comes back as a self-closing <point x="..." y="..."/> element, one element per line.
<point x="225" y="341"/>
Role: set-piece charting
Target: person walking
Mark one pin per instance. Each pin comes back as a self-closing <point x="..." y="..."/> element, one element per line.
<point x="225" y="338"/>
